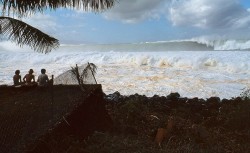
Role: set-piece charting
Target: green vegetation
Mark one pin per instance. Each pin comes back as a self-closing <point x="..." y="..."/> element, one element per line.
<point x="24" y="34"/>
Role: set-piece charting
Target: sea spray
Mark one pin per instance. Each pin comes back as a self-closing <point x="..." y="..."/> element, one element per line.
<point x="130" y="70"/>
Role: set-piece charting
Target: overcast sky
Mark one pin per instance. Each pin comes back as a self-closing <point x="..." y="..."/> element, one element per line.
<point x="149" y="20"/>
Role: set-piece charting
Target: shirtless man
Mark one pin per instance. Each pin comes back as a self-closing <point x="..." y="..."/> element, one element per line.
<point x="17" y="78"/>
<point x="29" y="77"/>
<point x="43" y="79"/>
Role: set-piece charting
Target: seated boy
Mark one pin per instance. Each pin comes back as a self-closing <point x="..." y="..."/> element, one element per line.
<point x="43" y="79"/>
<point x="17" y="78"/>
<point x="29" y="77"/>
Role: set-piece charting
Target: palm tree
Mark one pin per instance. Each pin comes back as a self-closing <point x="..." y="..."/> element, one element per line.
<point x="24" y="34"/>
<point x="90" y="69"/>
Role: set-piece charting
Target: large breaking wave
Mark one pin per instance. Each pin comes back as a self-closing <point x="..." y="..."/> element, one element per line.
<point x="177" y="45"/>
<point x="229" y="44"/>
<point x="145" y="68"/>
<point x="195" y="44"/>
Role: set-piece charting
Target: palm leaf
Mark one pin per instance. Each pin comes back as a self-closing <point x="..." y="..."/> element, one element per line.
<point x="90" y="67"/>
<point x="22" y="7"/>
<point x="24" y="34"/>
<point x="75" y="72"/>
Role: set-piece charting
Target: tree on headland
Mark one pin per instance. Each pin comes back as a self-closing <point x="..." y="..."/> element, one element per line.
<point x="24" y="34"/>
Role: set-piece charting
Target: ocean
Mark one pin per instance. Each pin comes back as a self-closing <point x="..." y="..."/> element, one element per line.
<point x="194" y="68"/>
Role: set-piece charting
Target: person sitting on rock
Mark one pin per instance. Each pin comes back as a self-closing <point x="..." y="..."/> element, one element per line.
<point x="43" y="79"/>
<point x="29" y="78"/>
<point x="17" y="78"/>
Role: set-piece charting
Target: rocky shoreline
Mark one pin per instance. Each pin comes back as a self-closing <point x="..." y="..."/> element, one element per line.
<point x="115" y="123"/>
<point x="190" y="124"/>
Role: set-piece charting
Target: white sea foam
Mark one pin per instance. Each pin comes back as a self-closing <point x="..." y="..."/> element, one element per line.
<point x="223" y="44"/>
<point x="191" y="73"/>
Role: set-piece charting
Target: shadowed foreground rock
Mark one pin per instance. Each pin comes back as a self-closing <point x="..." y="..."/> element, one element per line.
<point x="189" y="124"/>
<point x="27" y="114"/>
<point x="89" y="116"/>
<point x="200" y="125"/>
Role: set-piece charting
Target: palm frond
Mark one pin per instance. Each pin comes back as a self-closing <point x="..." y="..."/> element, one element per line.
<point x="76" y="75"/>
<point x="90" y="67"/>
<point x="22" y="7"/>
<point x="24" y="34"/>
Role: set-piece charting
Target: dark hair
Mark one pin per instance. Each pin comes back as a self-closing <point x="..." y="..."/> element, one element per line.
<point x="31" y="71"/>
<point x="43" y="71"/>
<point x="17" y="72"/>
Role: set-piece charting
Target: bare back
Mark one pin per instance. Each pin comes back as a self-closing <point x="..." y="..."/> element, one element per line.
<point x="28" y="78"/>
<point x="17" y="79"/>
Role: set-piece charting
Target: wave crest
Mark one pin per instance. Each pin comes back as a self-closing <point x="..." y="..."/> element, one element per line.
<point x="195" y="44"/>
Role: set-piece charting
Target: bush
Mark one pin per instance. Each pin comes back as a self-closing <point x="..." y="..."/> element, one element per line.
<point x="245" y="95"/>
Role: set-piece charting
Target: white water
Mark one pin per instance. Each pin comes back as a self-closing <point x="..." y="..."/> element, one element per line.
<point x="191" y="73"/>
